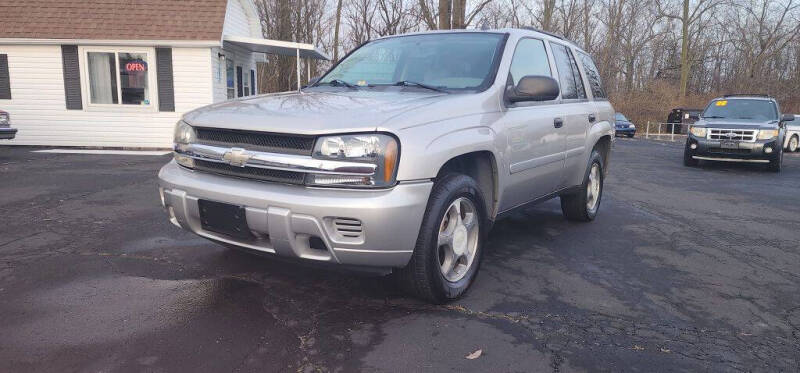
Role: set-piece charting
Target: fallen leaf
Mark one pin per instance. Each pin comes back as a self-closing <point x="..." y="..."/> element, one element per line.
<point x="474" y="355"/>
<point x="638" y="348"/>
<point x="665" y="350"/>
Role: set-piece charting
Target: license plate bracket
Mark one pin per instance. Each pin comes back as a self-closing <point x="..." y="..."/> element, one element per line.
<point x="224" y="218"/>
<point x="729" y="145"/>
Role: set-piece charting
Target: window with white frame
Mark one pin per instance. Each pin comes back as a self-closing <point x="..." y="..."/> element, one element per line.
<point x="230" y="78"/>
<point x="119" y="77"/>
<point x="245" y="84"/>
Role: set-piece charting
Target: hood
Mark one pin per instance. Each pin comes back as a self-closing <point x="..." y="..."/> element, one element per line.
<point x="319" y="111"/>
<point x="736" y="123"/>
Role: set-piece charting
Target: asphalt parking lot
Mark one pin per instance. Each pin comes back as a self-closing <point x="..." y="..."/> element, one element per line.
<point x="683" y="270"/>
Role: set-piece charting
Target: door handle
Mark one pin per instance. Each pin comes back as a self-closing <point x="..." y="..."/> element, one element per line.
<point x="558" y="123"/>
<point x="592" y="118"/>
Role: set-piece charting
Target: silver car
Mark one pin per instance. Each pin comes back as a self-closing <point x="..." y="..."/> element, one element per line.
<point x="401" y="157"/>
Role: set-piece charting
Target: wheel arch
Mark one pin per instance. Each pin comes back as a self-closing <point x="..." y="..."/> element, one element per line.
<point x="482" y="166"/>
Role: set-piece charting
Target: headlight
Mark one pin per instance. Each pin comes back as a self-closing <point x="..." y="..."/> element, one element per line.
<point x="767" y="134"/>
<point x="631" y="126"/>
<point x="184" y="135"/>
<point x="380" y="150"/>
<point x="4" y="119"/>
<point x="698" y="131"/>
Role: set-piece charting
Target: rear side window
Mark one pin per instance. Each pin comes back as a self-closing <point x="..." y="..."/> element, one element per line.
<point x="592" y="75"/>
<point x="568" y="74"/>
<point x="530" y="58"/>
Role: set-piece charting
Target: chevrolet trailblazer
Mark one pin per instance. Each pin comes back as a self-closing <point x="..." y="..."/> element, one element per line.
<point x="400" y="158"/>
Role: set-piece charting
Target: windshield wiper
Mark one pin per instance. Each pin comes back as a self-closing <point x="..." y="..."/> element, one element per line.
<point x="405" y="83"/>
<point x="713" y="117"/>
<point x="339" y="82"/>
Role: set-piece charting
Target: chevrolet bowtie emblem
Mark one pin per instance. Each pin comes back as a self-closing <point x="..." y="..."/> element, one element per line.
<point x="237" y="157"/>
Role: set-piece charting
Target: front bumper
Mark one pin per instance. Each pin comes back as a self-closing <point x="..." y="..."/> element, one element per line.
<point x="706" y="149"/>
<point x="286" y="217"/>
<point x="7" y="133"/>
<point x="625" y="131"/>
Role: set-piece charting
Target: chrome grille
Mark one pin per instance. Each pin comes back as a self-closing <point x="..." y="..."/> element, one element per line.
<point x="263" y="174"/>
<point x="254" y="140"/>
<point x="732" y="134"/>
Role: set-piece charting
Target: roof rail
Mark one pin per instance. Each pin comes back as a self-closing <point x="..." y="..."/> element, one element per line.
<point x="553" y="34"/>
<point x="747" y="95"/>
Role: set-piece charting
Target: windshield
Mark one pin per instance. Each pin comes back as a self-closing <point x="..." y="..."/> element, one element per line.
<point x="620" y="117"/>
<point x="741" y="109"/>
<point x="449" y="61"/>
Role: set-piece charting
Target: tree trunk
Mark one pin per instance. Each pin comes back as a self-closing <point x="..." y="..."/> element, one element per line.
<point x="685" y="63"/>
<point x="444" y="14"/>
<point x="548" y="13"/>
<point x="336" y="32"/>
<point x="459" y="13"/>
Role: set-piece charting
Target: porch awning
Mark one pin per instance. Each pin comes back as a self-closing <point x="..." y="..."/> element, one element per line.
<point x="283" y="48"/>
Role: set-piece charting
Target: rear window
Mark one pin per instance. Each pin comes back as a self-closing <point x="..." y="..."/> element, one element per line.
<point x="568" y="74"/>
<point x="592" y="75"/>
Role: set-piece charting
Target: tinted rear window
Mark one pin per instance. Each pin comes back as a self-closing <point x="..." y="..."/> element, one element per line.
<point x="568" y="73"/>
<point x="592" y="75"/>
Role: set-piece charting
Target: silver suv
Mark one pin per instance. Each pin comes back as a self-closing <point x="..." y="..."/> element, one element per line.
<point x="400" y="158"/>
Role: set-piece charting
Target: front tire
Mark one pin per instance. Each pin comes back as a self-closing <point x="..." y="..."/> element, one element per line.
<point x="583" y="205"/>
<point x="776" y="163"/>
<point x="449" y="247"/>
<point x="688" y="161"/>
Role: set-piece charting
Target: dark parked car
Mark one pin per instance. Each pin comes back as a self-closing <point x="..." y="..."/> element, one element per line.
<point x="6" y="132"/>
<point x="739" y="128"/>
<point x="679" y="116"/>
<point x="623" y="127"/>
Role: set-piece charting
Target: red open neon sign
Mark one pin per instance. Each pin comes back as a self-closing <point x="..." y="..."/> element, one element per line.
<point x="135" y="66"/>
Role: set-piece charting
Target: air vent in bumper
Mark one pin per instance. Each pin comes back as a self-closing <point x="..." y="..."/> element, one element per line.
<point x="348" y="228"/>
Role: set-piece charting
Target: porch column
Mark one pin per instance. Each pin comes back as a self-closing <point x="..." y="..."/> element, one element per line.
<point x="298" y="68"/>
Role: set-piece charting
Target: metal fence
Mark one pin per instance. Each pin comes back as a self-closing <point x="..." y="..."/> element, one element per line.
<point x="666" y="131"/>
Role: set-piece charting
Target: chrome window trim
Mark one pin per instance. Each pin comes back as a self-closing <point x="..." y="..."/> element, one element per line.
<point x="275" y="161"/>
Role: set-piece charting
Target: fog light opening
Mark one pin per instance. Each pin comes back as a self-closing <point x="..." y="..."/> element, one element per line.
<point x="316" y="243"/>
<point x="768" y="150"/>
<point x="693" y="146"/>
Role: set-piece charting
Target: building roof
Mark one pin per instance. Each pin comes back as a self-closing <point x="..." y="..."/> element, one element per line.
<point x="112" y="19"/>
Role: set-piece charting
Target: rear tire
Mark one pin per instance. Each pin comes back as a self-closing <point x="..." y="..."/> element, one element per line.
<point x="583" y="205"/>
<point x="449" y="247"/>
<point x="794" y="143"/>
<point x="688" y="161"/>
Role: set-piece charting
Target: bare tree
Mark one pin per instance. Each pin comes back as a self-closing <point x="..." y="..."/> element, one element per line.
<point x="693" y="20"/>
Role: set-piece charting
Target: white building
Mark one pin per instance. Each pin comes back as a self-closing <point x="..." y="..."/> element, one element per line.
<point x="120" y="73"/>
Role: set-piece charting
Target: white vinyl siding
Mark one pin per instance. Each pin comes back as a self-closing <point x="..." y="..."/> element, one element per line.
<point x="39" y="111"/>
<point x="241" y="20"/>
<point x="241" y="57"/>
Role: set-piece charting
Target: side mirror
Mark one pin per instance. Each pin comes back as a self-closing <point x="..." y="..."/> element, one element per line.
<point x="534" y="88"/>
<point x="787" y="118"/>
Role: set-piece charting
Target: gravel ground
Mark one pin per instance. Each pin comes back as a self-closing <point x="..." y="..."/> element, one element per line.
<point x="684" y="270"/>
